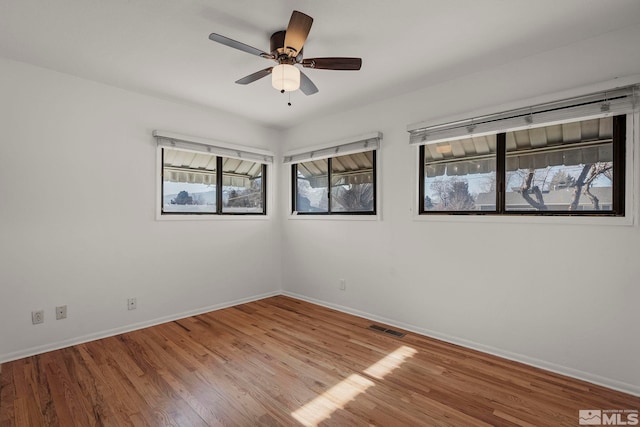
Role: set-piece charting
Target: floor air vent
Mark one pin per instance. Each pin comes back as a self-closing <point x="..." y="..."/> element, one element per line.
<point x="386" y="331"/>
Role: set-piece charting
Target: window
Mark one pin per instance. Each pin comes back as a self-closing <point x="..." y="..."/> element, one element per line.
<point x="345" y="184"/>
<point x="457" y="173"/>
<point x="353" y="185"/>
<point x="243" y="186"/>
<point x="565" y="167"/>
<point x="189" y="182"/>
<point x="198" y="180"/>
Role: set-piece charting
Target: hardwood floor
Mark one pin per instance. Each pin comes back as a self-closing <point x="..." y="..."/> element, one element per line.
<point x="281" y="361"/>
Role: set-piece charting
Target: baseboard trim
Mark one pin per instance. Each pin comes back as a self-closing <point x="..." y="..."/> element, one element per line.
<point x="129" y="328"/>
<point x="538" y="363"/>
<point x="516" y="357"/>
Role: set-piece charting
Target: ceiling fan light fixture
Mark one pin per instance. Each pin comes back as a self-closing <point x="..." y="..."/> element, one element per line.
<point x="285" y="78"/>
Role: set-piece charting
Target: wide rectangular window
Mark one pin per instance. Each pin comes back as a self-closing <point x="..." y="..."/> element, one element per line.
<point x="562" y="167"/>
<point x="325" y="182"/>
<point x="197" y="180"/>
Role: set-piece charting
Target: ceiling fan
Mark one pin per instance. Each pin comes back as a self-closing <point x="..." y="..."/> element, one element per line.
<point x="286" y="50"/>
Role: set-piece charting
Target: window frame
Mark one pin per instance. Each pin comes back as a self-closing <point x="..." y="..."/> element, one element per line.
<point x="219" y="189"/>
<point x="329" y="213"/>
<point x="620" y="145"/>
<point x="221" y="150"/>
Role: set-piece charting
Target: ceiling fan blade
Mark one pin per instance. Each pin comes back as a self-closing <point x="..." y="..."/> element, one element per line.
<point x="332" y="63"/>
<point x="306" y="85"/>
<point x="255" y="76"/>
<point x="240" y="46"/>
<point x="297" y="32"/>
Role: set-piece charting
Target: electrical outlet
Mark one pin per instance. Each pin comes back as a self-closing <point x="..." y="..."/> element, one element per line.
<point x="132" y="304"/>
<point x="61" y="312"/>
<point x="343" y="285"/>
<point x="37" y="317"/>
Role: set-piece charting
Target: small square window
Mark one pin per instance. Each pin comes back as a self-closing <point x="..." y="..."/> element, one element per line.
<point x="188" y="182"/>
<point x="336" y="185"/>
<point x="460" y="175"/>
<point x="242" y="186"/>
<point x="352" y="183"/>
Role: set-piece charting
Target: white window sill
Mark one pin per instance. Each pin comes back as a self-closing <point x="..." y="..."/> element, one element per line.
<point x="213" y="217"/>
<point x="527" y="219"/>
<point x="335" y="217"/>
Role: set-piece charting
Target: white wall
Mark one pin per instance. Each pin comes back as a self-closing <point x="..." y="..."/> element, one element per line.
<point x="564" y="297"/>
<point x="77" y="214"/>
<point x="77" y="226"/>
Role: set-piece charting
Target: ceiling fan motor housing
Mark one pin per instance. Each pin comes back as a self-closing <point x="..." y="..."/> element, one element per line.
<point x="278" y="51"/>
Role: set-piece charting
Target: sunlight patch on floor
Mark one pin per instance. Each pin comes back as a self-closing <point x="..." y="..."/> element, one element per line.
<point x="331" y="400"/>
<point x="342" y="393"/>
<point x="390" y="362"/>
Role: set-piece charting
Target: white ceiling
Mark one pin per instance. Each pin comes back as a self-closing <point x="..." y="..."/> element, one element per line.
<point x="161" y="47"/>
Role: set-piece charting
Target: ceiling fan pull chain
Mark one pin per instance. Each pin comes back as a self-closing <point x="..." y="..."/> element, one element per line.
<point x="289" y="103"/>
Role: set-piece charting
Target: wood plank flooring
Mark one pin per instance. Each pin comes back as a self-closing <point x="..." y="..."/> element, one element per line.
<point x="281" y="361"/>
